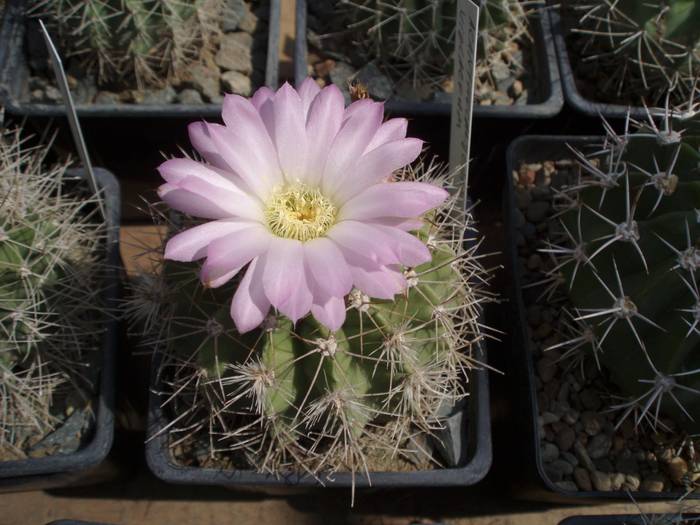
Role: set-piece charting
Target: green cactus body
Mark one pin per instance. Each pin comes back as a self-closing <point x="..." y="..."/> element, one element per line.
<point x="302" y="398"/>
<point x="51" y="283"/>
<point x="417" y="37"/>
<point x="133" y="40"/>
<point x="367" y="366"/>
<point x="655" y="266"/>
<point x="649" y="47"/>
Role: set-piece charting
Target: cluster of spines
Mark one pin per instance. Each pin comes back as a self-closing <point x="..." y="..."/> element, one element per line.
<point x="415" y="39"/>
<point x="142" y="41"/>
<point x="50" y="289"/>
<point x="301" y="398"/>
<point x="628" y="240"/>
<point x="648" y="48"/>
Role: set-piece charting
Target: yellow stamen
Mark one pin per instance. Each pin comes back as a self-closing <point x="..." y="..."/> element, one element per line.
<point x="299" y="212"/>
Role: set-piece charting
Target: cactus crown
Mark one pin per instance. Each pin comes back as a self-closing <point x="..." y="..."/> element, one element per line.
<point x="627" y="255"/>
<point x="51" y="278"/>
<point x="142" y="41"/>
<point x="644" y="48"/>
<point x="301" y="398"/>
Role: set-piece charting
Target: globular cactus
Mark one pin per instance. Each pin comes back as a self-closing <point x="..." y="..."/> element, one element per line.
<point x="416" y="38"/>
<point x="300" y="397"/>
<point x="629" y="254"/>
<point x="144" y="41"/>
<point x="50" y="292"/>
<point x="641" y="49"/>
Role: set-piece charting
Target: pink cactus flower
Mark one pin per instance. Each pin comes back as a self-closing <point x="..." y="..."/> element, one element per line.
<point x="298" y="189"/>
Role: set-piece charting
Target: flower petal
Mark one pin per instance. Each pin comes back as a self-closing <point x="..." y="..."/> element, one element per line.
<point x="365" y="117"/>
<point x="191" y="203"/>
<point x="407" y="225"/>
<point x="289" y="132"/>
<point x="377" y="165"/>
<point x="284" y="264"/>
<point x="330" y="313"/>
<point x="363" y="239"/>
<point x="408" y="248"/>
<point x="393" y="129"/>
<point x="325" y="262"/>
<point x="233" y="251"/>
<point x="261" y="96"/>
<point x="299" y="303"/>
<point x="191" y="244"/>
<point x="250" y="305"/>
<point x="323" y="122"/>
<point x="177" y="170"/>
<point x="235" y="203"/>
<point x="308" y="91"/>
<point x="407" y="200"/>
<point x="203" y="143"/>
<point x="374" y="279"/>
<point x="247" y="143"/>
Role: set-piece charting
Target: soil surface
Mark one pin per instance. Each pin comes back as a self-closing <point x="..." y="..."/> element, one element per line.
<point x="336" y="56"/>
<point x="236" y="66"/>
<point x="581" y="446"/>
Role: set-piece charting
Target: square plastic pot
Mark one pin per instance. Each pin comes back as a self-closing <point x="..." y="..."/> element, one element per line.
<point x="571" y="93"/>
<point x="474" y="467"/>
<point x="545" y="73"/>
<point x="537" y="485"/>
<point x="478" y="462"/>
<point x="14" y="76"/>
<point x="87" y="465"/>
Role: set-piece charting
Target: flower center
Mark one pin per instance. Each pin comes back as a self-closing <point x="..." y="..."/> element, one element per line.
<point x="299" y="212"/>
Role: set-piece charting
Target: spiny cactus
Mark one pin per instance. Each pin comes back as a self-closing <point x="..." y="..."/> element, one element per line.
<point x="416" y="38"/>
<point x="641" y="49"/>
<point x="301" y="398"/>
<point x="134" y="40"/>
<point x="50" y="292"/>
<point x="628" y="253"/>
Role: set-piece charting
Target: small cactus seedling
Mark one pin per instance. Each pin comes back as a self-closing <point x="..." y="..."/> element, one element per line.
<point x="641" y="49"/>
<point x="628" y="254"/>
<point x="414" y="39"/>
<point x="142" y="41"/>
<point x="51" y="278"/>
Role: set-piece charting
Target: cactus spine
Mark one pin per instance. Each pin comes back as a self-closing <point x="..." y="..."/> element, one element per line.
<point x="415" y="38"/>
<point x="643" y="48"/>
<point x="300" y="397"/>
<point x="145" y="41"/>
<point x="628" y="251"/>
<point x="50" y="292"/>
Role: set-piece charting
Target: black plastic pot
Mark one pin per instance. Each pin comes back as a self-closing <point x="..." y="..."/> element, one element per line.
<point x="474" y="470"/>
<point x="14" y="76"/>
<point x="571" y="93"/>
<point x="537" y="485"/>
<point x="622" y="519"/>
<point x="546" y="74"/>
<point x="87" y="465"/>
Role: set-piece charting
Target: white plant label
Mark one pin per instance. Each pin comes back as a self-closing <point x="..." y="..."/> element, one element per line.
<point x="466" y="35"/>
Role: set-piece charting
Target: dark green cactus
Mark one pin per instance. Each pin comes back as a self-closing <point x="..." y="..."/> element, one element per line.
<point x="644" y="48"/>
<point x="134" y="40"/>
<point x="632" y="233"/>
<point x="51" y="281"/>
<point x="301" y="397"/>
